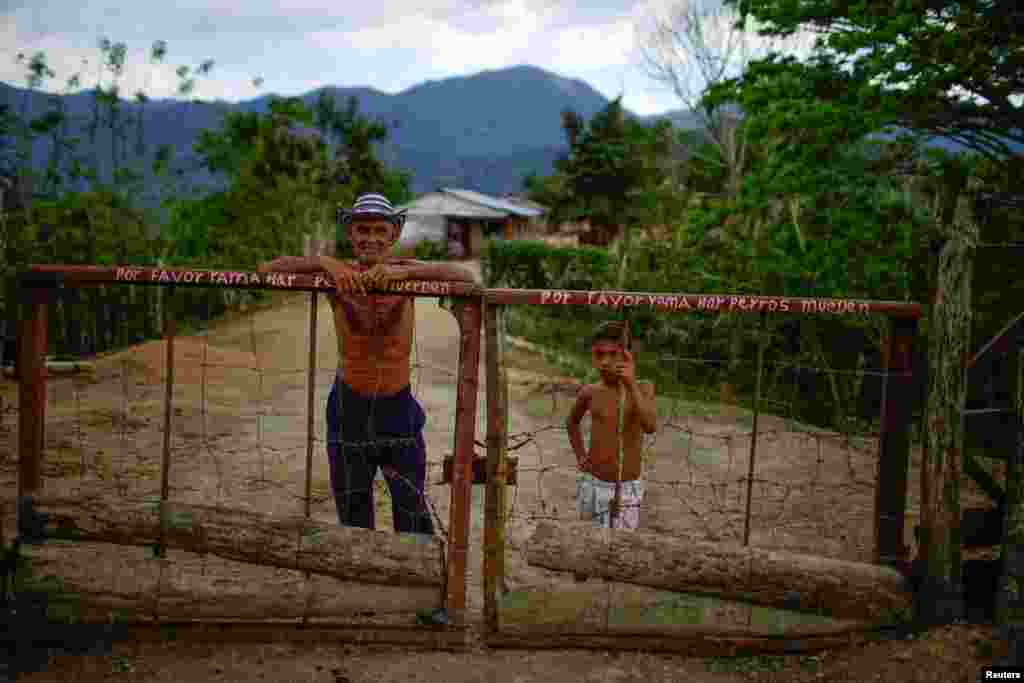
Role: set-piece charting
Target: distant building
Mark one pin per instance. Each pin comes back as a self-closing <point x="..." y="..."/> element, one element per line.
<point x="462" y="219"/>
<point x="520" y="200"/>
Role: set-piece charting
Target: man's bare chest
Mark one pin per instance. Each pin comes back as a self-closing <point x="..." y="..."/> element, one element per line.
<point x="374" y="315"/>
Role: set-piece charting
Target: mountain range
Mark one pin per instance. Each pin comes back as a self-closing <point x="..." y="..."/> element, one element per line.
<point x="483" y="132"/>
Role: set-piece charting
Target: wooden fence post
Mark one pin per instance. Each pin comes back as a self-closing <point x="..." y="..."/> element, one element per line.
<point x="894" y="442"/>
<point x="497" y="445"/>
<point x="468" y="315"/>
<point x="941" y="595"/>
<point x="31" y="403"/>
<point x="314" y="302"/>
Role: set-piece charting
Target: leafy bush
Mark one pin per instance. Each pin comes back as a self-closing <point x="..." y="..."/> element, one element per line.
<point x="430" y="250"/>
<point x="526" y="264"/>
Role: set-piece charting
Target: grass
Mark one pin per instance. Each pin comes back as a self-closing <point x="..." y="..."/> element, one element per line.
<point x="760" y="663"/>
<point x="382" y="504"/>
<point x="66" y="459"/>
<point x="590" y="605"/>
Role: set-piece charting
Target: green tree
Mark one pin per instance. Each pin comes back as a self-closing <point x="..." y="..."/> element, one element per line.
<point x="272" y="169"/>
<point x="693" y="47"/>
<point x="940" y="67"/>
<point x="357" y="136"/>
<point x="547" y="190"/>
<point x="612" y="166"/>
<point x="932" y="68"/>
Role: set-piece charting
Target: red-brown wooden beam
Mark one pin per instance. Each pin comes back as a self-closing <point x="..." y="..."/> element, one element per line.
<point x="31" y="399"/>
<point x="704" y="303"/>
<point x="894" y="443"/>
<point x="469" y="315"/>
<point x="32" y="393"/>
<point x="84" y="276"/>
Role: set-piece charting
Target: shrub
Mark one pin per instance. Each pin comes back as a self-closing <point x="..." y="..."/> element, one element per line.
<point x="430" y="250"/>
<point x="535" y="265"/>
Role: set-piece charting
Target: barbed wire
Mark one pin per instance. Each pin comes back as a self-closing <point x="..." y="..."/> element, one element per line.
<point x="131" y="468"/>
<point x="816" y="483"/>
<point x="810" y="483"/>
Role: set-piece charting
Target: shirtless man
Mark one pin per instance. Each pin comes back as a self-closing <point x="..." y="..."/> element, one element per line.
<point x="599" y="465"/>
<point x="373" y="420"/>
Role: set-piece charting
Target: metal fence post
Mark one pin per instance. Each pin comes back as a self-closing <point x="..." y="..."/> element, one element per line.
<point x="497" y="446"/>
<point x="468" y="315"/>
<point x="753" y="435"/>
<point x="894" y="443"/>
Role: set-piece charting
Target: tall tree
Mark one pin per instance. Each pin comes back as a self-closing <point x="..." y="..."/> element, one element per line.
<point x="694" y="46"/>
<point x="156" y="56"/>
<point x="613" y="164"/>
<point x="942" y="67"/>
<point x="38" y="71"/>
<point x="932" y="67"/>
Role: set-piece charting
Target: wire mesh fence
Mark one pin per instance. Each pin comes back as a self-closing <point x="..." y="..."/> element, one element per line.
<point x="232" y="415"/>
<point x="774" y="440"/>
<point x="737" y="455"/>
<point x="238" y="422"/>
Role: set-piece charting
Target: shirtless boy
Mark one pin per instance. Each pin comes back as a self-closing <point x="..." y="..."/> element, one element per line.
<point x="599" y="465"/>
<point x="373" y="420"/>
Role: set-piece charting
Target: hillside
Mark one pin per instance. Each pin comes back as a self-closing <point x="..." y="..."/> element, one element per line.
<point x="483" y="131"/>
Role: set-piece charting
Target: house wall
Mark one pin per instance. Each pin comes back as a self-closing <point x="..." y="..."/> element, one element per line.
<point x="419" y="227"/>
<point x="517" y="228"/>
<point x="472" y="235"/>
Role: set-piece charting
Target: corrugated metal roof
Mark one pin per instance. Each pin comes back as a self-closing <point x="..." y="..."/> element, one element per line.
<point x="492" y="202"/>
<point x="423" y="225"/>
<point x="523" y="201"/>
<point x="445" y="204"/>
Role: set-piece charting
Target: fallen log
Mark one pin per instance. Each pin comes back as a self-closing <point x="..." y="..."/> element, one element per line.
<point x="96" y="579"/>
<point x="347" y="553"/>
<point x="803" y="583"/>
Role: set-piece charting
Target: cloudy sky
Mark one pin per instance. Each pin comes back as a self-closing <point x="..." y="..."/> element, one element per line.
<point x="300" y="45"/>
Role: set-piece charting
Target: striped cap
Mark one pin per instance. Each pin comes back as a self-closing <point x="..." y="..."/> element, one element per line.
<point x="372" y="205"/>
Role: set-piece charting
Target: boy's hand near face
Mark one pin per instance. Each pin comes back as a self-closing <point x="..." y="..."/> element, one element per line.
<point x="625" y="370"/>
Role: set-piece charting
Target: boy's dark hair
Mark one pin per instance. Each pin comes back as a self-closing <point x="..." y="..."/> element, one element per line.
<point x="612" y="331"/>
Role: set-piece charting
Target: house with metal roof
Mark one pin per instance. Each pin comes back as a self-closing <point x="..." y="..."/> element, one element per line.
<point x="462" y="219"/>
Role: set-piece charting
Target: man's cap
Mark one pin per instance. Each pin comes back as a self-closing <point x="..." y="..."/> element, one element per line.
<point x="372" y="204"/>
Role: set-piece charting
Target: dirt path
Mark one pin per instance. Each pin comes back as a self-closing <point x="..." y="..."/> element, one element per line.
<point x="240" y="440"/>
